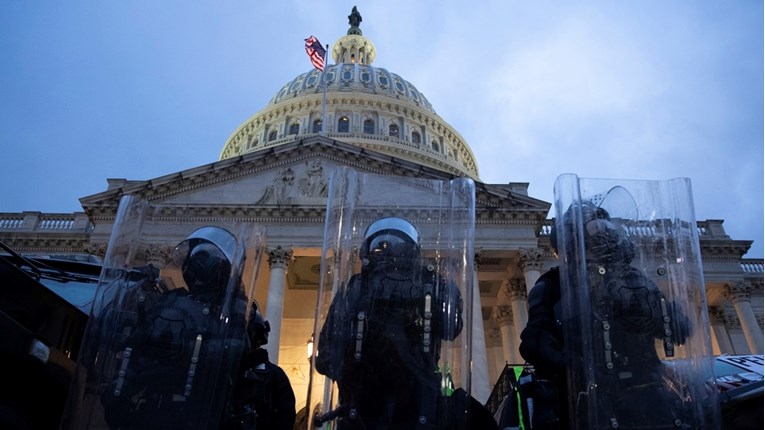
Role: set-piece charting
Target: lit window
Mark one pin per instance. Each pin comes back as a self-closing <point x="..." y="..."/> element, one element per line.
<point x="369" y="126"/>
<point x="343" y="124"/>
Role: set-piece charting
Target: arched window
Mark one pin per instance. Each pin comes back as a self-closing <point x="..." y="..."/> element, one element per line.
<point x="294" y="128"/>
<point x="272" y="135"/>
<point x="317" y="126"/>
<point x="435" y="146"/>
<point x="393" y="130"/>
<point x="415" y="137"/>
<point x="369" y="126"/>
<point x="343" y="124"/>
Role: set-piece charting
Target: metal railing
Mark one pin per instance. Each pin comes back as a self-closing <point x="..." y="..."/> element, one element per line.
<point x="503" y="386"/>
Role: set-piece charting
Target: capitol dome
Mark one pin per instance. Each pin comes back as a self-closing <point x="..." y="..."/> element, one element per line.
<point x="367" y="106"/>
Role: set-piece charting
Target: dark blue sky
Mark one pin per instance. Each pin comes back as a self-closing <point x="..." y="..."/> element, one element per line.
<point x="637" y="90"/>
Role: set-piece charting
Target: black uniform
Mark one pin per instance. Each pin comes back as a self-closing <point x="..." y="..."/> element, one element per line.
<point x="174" y="356"/>
<point x="542" y="347"/>
<point x="263" y="398"/>
<point x="389" y="377"/>
<point x="627" y="313"/>
<point x="382" y="337"/>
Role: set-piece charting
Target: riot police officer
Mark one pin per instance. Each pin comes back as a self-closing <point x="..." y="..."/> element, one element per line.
<point x="381" y="340"/>
<point x="174" y="351"/>
<point x="263" y="396"/>
<point x="631" y="312"/>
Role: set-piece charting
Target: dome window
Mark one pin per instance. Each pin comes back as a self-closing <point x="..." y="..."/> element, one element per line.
<point x="400" y="87"/>
<point x="272" y="136"/>
<point x="369" y="126"/>
<point x="295" y="85"/>
<point x="393" y="130"/>
<point x="317" y="126"/>
<point x="294" y="128"/>
<point x="343" y="125"/>
<point x="435" y="146"/>
<point x="383" y="80"/>
<point x="414" y="93"/>
<point x="415" y="137"/>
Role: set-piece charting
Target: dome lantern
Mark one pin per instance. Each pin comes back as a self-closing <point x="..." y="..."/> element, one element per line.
<point x="354" y="47"/>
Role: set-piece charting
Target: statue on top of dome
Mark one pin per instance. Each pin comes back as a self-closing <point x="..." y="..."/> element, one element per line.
<point x="354" y="19"/>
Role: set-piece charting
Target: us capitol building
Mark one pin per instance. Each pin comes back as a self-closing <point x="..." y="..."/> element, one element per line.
<point x="274" y="169"/>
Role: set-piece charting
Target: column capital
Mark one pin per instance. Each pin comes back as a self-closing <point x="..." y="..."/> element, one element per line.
<point x="514" y="289"/>
<point x="279" y="257"/>
<point x="716" y="315"/>
<point x="739" y="291"/>
<point x="158" y="255"/>
<point x="502" y="314"/>
<point x="530" y="259"/>
<point x="97" y="249"/>
<point x="495" y="337"/>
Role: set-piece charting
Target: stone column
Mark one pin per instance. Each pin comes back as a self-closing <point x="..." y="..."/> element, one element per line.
<point x="531" y="263"/>
<point x="494" y="337"/>
<point x="721" y="343"/>
<point x="732" y="323"/>
<point x="503" y="315"/>
<point x="279" y="260"/>
<point x="480" y="389"/>
<point x="740" y="294"/>
<point x="515" y="291"/>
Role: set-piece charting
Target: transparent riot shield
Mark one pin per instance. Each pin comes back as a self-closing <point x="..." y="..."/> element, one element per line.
<point x="635" y="321"/>
<point x="392" y="335"/>
<point x="167" y="328"/>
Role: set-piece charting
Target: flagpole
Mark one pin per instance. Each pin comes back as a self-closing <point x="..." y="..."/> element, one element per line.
<point x="324" y="97"/>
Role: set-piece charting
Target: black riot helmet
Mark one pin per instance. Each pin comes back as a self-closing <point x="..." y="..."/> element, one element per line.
<point x="392" y="240"/>
<point x="204" y="260"/>
<point x="257" y="327"/>
<point x="589" y="212"/>
<point x="605" y="241"/>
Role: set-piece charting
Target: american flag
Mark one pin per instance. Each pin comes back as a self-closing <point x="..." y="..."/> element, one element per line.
<point x="316" y="52"/>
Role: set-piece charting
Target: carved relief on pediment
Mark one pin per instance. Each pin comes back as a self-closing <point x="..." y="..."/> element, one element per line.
<point x="313" y="183"/>
<point x="280" y="189"/>
<point x="296" y="182"/>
